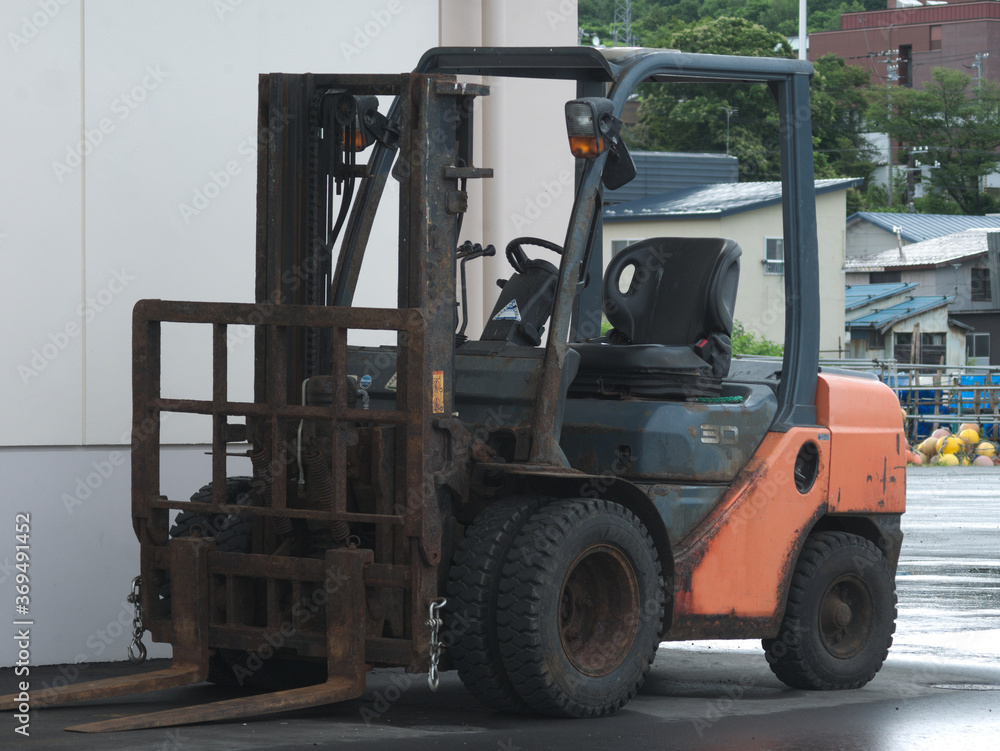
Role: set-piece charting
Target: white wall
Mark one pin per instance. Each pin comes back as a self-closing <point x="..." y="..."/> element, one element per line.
<point x="162" y="204"/>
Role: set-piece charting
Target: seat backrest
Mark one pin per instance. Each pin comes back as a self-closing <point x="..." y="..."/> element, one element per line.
<point x="672" y="290"/>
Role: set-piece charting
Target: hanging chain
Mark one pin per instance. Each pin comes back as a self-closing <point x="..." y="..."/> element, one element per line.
<point x="137" y="650"/>
<point x="435" y="623"/>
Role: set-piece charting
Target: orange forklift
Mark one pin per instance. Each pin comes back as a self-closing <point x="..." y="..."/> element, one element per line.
<point x="539" y="507"/>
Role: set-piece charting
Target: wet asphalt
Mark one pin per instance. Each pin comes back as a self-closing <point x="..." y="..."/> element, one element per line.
<point x="939" y="689"/>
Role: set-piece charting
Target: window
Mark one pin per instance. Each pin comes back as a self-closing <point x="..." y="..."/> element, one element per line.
<point x="905" y="70"/>
<point x="774" y="255"/>
<point x="935" y="38"/>
<point x="619" y="245"/>
<point x="977" y="348"/>
<point x="981" y="290"/>
<point x="884" y="277"/>
<point x="875" y="340"/>
<point x="931" y="349"/>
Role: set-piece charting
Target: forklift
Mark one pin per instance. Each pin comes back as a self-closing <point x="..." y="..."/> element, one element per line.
<point x="538" y="508"/>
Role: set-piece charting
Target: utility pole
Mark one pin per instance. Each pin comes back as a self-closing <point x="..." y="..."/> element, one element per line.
<point x="730" y="111"/>
<point x="978" y="65"/>
<point x="891" y="74"/>
<point x="803" y="35"/>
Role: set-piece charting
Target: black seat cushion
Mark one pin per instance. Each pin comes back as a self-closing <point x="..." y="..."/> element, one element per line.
<point x="672" y="320"/>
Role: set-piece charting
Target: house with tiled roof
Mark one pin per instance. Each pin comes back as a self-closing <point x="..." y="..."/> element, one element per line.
<point x="887" y="321"/>
<point x="961" y="267"/>
<point x="870" y="232"/>
<point x="749" y="213"/>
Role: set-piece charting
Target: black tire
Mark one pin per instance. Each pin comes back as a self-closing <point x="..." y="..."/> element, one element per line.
<point x="232" y="534"/>
<point x="472" y="592"/>
<point x="580" y="608"/>
<point x="840" y="616"/>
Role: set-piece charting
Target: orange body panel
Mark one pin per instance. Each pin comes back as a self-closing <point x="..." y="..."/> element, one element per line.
<point x="736" y="562"/>
<point x="868" y="468"/>
<point x="735" y="567"/>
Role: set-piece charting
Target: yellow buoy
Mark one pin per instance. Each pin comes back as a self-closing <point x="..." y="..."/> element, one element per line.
<point x="948" y="460"/>
<point x="986" y="449"/>
<point x="970" y="436"/>
<point x="951" y="444"/>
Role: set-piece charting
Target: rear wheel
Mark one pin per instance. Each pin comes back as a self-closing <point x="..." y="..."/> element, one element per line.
<point x="471" y="611"/>
<point x="580" y="608"/>
<point x="840" y="616"/>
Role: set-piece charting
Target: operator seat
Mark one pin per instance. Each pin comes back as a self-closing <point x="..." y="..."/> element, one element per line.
<point x="672" y="320"/>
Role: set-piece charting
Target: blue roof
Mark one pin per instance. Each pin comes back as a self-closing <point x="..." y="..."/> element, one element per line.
<point x="859" y="295"/>
<point x="884" y="319"/>
<point x="712" y="200"/>
<point x="920" y="227"/>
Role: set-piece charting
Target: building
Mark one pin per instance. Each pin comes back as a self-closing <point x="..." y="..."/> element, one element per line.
<point x="749" y="213"/>
<point x="885" y="321"/>
<point x="662" y="171"/>
<point x="904" y="44"/>
<point x="871" y="232"/>
<point x="961" y="267"/>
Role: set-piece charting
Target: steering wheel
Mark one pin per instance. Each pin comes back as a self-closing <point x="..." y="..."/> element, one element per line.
<point x="516" y="256"/>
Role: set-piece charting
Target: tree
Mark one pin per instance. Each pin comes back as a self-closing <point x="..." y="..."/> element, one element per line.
<point x="838" y="95"/>
<point x="958" y="124"/>
<point x="689" y="117"/>
<point x="682" y="117"/>
<point x="748" y="343"/>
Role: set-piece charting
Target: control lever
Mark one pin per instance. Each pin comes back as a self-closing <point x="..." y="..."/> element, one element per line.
<point x="466" y="252"/>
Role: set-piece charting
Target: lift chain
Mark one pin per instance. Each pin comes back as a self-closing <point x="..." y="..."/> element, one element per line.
<point x="137" y="650"/>
<point x="435" y="623"/>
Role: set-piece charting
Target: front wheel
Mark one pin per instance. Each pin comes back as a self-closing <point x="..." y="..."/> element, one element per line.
<point x="580" y="608"/>
<point x="840" y="616"/>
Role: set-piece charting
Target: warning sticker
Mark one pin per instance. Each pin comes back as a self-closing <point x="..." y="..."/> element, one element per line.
<point x="437" y="396"/>
<point x="509" y="312"/>
<point x="390" y="385"/>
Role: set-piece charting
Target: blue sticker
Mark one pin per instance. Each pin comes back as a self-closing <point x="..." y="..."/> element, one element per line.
<point x="509" y="312"/>
<point x="366" y="381"/>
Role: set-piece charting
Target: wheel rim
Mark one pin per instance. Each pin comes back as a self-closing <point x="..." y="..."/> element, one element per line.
<point x="599" y="610"/>
<point x="846" y="614"/>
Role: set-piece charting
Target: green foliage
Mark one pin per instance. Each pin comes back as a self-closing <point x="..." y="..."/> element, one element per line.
<point x="748" y="343"/>
<point x="957" y="122"/>
<point x="649" y="17"/>
<point x="687" y="117"/>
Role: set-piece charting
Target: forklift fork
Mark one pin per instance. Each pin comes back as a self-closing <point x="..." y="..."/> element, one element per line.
<point x="189" y="562"/>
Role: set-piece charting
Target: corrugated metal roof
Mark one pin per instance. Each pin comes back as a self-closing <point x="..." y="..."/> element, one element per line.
<point x="931" y="14"/>
<point x="883" y="320"/>
<point x="919" y="227"/>
<point x="934" y="252"/>
<point x="660" y="172"/>
<point x="712" y="200"/>
<point x="859" y="295"/>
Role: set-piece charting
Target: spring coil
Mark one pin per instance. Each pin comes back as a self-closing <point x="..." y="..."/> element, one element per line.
<point x="321" y="486"/>
<point x="261" y="461"/>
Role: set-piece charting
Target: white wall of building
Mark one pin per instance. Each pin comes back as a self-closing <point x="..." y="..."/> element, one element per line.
<point x="129" y="173"/>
